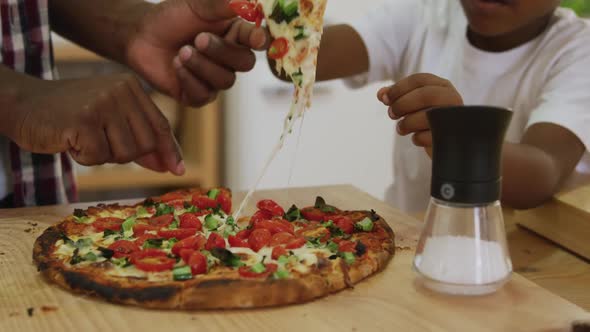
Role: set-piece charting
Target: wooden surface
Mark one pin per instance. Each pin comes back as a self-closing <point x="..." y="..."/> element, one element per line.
<point x="565" y="220"/>
<point x="389" y="301"/>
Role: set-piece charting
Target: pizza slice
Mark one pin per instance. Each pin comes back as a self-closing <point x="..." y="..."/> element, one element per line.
<point x="297" y="27"/>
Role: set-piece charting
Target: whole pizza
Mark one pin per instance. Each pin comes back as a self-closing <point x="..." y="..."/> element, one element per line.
<point x="184" y="250"/>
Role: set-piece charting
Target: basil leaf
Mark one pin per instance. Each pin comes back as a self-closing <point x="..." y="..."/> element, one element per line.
<point x="293" y="213"/>
<point x="149" y="202"/>
<point x="360" y="248"/>
<point x="76" y="257"/>
<point x="80" y="213"/>
<point x="163" y="209"/>
<point x="153" y="243"/>
<point x="106" y="253"/>
<point x="226" y="257"/>
<point x="109" y="232"/>
<point x="320" y="203"/>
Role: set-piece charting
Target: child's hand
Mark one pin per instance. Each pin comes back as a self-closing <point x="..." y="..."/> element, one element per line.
<point x="411" y="97"/>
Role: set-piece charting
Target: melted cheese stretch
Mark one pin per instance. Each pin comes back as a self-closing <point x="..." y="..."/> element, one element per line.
<point x="301" y="57"/>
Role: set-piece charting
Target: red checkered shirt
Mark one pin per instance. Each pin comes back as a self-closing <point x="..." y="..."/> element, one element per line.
<point x="38" y="179"/>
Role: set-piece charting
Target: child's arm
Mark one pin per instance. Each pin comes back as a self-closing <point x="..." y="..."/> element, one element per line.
<point x="533" y="170"/>
<point x="336" y="41"/>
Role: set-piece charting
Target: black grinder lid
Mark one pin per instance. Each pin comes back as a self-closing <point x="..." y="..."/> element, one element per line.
<point x="467" y="152"/>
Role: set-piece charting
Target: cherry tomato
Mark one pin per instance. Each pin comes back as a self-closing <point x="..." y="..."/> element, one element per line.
<point x="278" y="48"/>
<point x="281" y="238"/>
<point x="224" y="201"/>
<point x="259" y="216"/>
<point x="296" y="243"/>
<point x="186" y="254"/>
<point x="215" y="241"/>
<point x="246" y="271"/>
<point x="278" y="252"/>
<point x="260" y="16"/>
<point x="162" y="221"/>
<point x="190" y="220"/>
<point x="196" y="242"/>
<point x="140" y="229"/>
<point x="236" y="242"/>
<point x="204" y="202"/>
<point x="244" y="234"/>
<point x="312" y="214"/>
<point x="245" y="9"/>
<point x="176" y="204"/>
<point x="275" y="226"/>
<point x="259" y="238"/>
<point x="344" y="223"/>
<point x="198" y="263"/>
<point x="123" y="248"/>
<point x="346" y="246"/>
<point x="152" y="260"/>
<point x="173" y="196"/>
<point x="271" y="206"/>
<point x="180" y="233"/>
<point x="114" y="224"/>
<point x="140" y="240"/>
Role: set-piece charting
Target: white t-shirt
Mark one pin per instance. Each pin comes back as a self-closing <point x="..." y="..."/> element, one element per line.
<point x="545" y="80"/>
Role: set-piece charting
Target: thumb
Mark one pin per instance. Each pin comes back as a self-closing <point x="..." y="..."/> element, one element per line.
<point x="212" y="10"/>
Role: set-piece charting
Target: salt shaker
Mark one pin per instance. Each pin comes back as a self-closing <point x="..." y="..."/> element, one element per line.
<point x="462" y="249"/>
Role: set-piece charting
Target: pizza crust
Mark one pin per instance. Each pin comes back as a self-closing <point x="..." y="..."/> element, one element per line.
<point x="215" y="291"/>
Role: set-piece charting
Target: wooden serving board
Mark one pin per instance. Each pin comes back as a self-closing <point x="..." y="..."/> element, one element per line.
<point x="389" y="301"/>
<point x="565" y="220"/>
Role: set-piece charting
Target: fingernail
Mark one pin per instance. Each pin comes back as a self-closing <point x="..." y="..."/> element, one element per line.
<point x="180" y="168"/>
<point x="390" y="112"/>
<point x="202" y="41"/>
<point x="259" y="38"/>
<point x="185" y="53"/>
<point x="176" y="63"/>
<point x="385" y="99"/>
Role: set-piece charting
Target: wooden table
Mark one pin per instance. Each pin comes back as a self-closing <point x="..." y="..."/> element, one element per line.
<point x="389" y="301"/>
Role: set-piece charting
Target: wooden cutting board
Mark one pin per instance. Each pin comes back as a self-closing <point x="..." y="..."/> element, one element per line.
<point x="389" y="301"/>
<point x="565" y="220"/>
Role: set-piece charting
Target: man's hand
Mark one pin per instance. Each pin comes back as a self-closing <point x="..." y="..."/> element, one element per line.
<point x="190" y="49"/>
<point x="99" y="120"/>
<point x="411" y="97"/>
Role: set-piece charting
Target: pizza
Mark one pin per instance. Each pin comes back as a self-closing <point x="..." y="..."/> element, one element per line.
<point x="184" y="250"/>
<point x="296" y="27"/>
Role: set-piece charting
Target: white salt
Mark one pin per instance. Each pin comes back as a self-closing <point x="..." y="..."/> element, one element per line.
<point x="463" y="260"/>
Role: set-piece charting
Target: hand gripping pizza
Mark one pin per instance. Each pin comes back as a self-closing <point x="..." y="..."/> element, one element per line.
<point x="183" y="250"/>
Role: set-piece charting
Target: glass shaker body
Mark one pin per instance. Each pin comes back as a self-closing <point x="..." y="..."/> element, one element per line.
<point x="463" y="249"/>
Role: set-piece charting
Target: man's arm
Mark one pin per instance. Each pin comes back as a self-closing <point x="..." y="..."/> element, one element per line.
<point x="534" y="170"/>
<point x="104" y="27"/>
<point x="14" y="87"/>
<point x="336" y="41"/>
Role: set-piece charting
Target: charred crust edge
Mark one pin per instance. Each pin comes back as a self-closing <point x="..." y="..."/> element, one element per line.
<point x="81" y="282"/>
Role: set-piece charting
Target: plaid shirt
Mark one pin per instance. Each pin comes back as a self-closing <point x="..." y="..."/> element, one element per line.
<point x="37" y="179"/>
